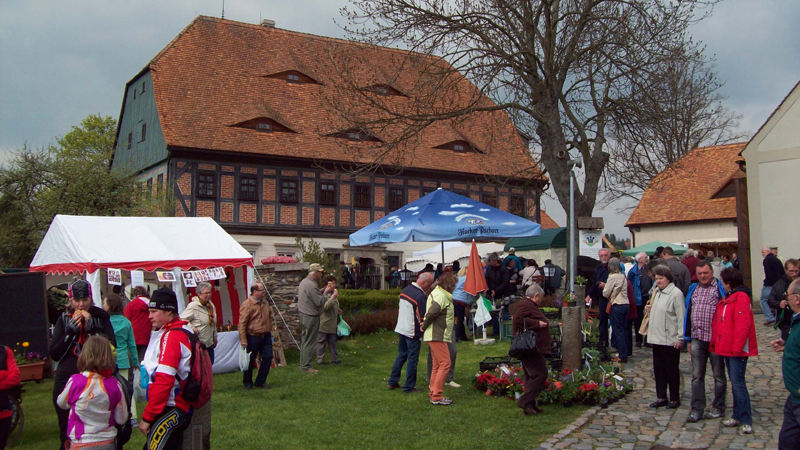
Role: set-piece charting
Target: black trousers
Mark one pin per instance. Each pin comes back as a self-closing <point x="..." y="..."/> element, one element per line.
<point x="665" y="368"/>
<point x="166" y="432"/>
<point x="535" y="368"/>
<point x="603" y="323"/>
<point x="637" y="323"/>
<point x="460" y="327"/>
<point x="61" y="414"/>
<point x="5" y="429"/>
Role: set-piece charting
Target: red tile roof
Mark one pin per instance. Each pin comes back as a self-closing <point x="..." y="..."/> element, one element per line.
<point x="685" y="192"/>
<point x="548" y="222"/>
<point x="215" y="74"/>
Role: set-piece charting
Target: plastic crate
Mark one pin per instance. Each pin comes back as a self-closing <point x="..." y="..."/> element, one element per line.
<point x="506" y="330"/>
<point x="491" y="362"/>
<point x="556" y="364"/>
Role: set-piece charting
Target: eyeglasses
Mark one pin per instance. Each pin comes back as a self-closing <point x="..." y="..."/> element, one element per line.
<point x="205" y="293"/>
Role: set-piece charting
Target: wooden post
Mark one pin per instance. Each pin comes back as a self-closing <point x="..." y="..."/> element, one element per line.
<point x="571" y="337"/>
<point x="743" y="228"/>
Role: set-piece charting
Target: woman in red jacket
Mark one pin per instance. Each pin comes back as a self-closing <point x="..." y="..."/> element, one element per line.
<point x="733" y="336"/>
<point x="9" y="377"/>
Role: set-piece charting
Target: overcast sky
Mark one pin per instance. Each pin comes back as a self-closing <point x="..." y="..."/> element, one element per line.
<point x="61" y="61"/>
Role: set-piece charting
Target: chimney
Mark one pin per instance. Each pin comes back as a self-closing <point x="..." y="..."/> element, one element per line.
<point x="268" y="23"/>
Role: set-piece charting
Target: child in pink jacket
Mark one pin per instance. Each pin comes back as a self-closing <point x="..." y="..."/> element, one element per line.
<point x="94" y="398"/>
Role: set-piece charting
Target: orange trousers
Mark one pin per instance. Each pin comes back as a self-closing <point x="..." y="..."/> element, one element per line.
<point x="441" y="365"/>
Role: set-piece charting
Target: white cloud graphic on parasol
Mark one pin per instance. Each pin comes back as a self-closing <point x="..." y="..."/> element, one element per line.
<point x="414" y="214"/>
<point x="448" y="213"/>
<point x="509" y="223"/>
<point x="399" y="228"/>
<point x="464" y="216"/>
<point x="394" y="219"/>
<point x="484" y="210"/>
<point x="413" y="208"/>
<point x="461" y="205"/>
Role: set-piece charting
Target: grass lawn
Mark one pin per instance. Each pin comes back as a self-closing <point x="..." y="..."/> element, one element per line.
<point x="345" y="407"/>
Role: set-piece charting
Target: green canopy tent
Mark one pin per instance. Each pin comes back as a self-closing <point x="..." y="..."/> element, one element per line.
<point x="650" y="248"/>
<point x="551" y="244"/>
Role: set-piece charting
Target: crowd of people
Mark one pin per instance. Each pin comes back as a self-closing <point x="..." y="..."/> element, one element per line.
<point x="660" y="302"/>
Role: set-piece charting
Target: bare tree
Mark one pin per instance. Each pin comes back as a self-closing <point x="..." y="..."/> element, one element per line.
<point x="681" y="110"/>
<point x="566" y="71"/>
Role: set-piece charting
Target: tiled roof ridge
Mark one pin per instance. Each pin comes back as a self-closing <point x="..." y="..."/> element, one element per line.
<point x="303" y="34"/>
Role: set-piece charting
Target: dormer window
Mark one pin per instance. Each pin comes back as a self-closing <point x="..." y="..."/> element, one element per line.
<point x="293" y="76"/>
<point x="384" y="89"/>
<point x="264" y="125"/>
<point x="459" y="147"/>
<point x="356" y="135"/>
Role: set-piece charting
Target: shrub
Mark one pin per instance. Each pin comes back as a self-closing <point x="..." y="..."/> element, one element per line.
<point x="372" y="322"/>
<point x="362" y="300"/>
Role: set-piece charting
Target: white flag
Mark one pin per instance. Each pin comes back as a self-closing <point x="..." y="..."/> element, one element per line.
<point x="482" y="315"/>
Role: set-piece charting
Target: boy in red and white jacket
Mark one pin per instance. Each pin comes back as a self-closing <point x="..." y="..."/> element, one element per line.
<point x="168" y="355"/>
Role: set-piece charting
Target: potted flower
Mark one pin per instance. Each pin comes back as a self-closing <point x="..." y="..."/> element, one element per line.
<point x="31" y="364"/>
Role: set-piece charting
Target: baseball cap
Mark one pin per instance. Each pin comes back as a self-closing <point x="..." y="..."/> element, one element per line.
<point x="315" y="268"/>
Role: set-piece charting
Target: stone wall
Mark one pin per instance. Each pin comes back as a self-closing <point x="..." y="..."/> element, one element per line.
<point x="282" y="281"/>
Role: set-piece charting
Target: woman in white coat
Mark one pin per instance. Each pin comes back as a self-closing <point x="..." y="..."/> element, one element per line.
<point x="665" y="334"/>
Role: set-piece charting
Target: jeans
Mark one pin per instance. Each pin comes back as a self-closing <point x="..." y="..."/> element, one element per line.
<point x="308" y="340"/>
<point x="619" y="321"/>
<point x="768" y="315"/>
<point x="789" y="437"/>
<point x="258" y="345"/>
<point x="407" y="350"/>
<point x="701" y="356"/>
<point x="211" y="354"/>
<point x="741" y="398"/>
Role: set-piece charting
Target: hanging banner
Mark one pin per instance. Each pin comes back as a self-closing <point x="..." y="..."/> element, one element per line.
<point x="114" y="276"/>
<point x="137" y="278"/>
<point x="591" y="241"/>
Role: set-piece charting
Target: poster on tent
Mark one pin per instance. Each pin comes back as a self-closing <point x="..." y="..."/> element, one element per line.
<point x="165" y="277"/>
<point x="200" y="275"/>
<point x="188" y="279"/>
<point x="137" y="278"/>
<point x="591" y="241"/>
<point x="114" y="276"/>
<point x="216" y="273"/>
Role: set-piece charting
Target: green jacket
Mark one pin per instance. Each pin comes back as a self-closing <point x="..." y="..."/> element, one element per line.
<point x="438" y="322"/>
<point x="126" y="345"/>
<point x="330" y="316"/>
<point x="791" y="361"/>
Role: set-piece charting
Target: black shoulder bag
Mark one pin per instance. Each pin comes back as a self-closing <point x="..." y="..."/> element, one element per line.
<point x="523" y="344"/>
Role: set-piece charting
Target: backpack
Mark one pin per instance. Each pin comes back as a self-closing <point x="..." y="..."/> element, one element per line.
<point x="200" y="382"/>
<point x="124" y="430"/>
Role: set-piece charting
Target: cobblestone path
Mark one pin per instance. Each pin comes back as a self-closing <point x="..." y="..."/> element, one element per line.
<point x="632" y="424"/>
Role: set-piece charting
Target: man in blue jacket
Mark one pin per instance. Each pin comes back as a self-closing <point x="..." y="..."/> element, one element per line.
<point x="701" y="303"/>
<point x="641" y="283"/>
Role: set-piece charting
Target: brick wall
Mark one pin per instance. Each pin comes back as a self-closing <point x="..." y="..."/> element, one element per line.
<point x="207" y="166"/>
<point x="344" y="194"/>
<point x="185" y="184"/>
<point x="269" y="190"/>
<point x="413" y="195"/>
<point x="327" y="217"/>
<point x="380" y="197"/>
<point x="247" y="212"/>
<point x="503" y="202"/>
<point x="205" y="208"/>
<point x="226" y="212"/>
<point x="362" y="218"/>
<point x="344" y="217"/>
<point x="268" y="214"/>
<point x="288" y="215"/>
<point x="250" y="170"/>
<point x="227" y="186"/>
<point x="282" y="281"/>
<point x="308" y="216"/>
<point x="309" y="191"/>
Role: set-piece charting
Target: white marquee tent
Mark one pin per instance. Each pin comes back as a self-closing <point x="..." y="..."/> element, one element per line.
<point x="77" y="244"/>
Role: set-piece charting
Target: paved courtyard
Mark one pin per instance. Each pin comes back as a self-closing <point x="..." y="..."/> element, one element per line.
<point x="632" y="424"/>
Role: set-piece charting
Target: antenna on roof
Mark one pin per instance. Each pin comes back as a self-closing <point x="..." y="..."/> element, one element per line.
<point x="223" y="9"/>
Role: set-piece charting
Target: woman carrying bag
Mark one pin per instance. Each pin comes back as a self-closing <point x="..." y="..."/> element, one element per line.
<point x="616" y="291"/>
<point x="528" y="317"/>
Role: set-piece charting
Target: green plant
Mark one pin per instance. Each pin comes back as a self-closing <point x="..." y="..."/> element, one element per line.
<point x="24" y="357"/>
<point x="314" y="253"/>
<point x="372" y="322"/>
<point x="57" y="298"/>
<point x="580" y="281"/>
<point x="361" y="300"/>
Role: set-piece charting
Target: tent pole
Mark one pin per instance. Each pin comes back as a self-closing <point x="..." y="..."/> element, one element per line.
<point x="443" y="256"/>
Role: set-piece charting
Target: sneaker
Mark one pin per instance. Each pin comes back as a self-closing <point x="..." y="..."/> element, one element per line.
<point x="453" y="384"/>
<point x="769" y="322"/>
<point x="747" y="429"/>
<point x="713" y="414"/>
<point x="694" y="416"/>
<point x="730" y="422"/>
<point x="444" y="402"/>
<point x="310" y="371"/>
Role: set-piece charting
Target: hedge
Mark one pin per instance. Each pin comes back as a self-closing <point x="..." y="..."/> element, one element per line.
<point x="363" y="300"/>
<point x="372" y="322"/>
